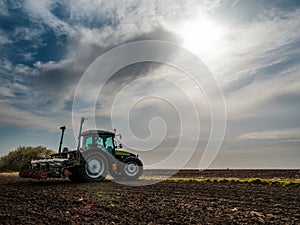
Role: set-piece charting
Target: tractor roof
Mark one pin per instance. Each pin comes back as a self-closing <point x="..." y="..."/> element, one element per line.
<point x="98" y="132"/>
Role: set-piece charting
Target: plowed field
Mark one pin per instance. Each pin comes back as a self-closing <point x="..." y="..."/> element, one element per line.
<point x="28" y="201"/>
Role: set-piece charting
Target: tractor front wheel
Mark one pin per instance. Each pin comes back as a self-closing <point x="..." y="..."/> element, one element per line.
<point x="132" y="168"/>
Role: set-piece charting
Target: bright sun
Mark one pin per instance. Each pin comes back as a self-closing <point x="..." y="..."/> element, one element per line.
<point x="203" y="37"/>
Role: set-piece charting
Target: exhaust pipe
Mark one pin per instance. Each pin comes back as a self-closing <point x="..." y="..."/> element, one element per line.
<point x="80" y="130"/>
<point x="61" y="138"/>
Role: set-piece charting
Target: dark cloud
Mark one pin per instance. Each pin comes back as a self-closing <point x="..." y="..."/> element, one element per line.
<point x="58" y="78"/>
<point x="54" y="80"/>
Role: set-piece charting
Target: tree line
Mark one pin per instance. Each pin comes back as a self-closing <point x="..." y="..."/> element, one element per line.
<point x="20" y="158"/>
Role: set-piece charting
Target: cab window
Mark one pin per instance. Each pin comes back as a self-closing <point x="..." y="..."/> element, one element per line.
<point x="109" y="145"/>
<point x="87" y="141"/>
<point x="99" y="141"/>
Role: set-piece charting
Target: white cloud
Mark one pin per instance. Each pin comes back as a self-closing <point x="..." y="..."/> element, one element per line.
<point x="257" y="69"/>
<point x="6" y="65"/>
<point x="256" y="44"/>
<point x="41" y="11"/>
<point x="3" y="8"/>
<point x="5" y="92"/>
<point x="51" y="65"/>
<point x="4" y="40"/>
<point x="276" y="135"/>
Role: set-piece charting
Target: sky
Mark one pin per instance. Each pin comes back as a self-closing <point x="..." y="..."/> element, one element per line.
<point x="251" y="47"/>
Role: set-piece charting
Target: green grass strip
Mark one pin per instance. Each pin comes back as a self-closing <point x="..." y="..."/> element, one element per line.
<point x="231" y="180"/>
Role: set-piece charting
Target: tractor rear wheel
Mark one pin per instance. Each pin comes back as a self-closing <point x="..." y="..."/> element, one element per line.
<point x="93" y="167"/>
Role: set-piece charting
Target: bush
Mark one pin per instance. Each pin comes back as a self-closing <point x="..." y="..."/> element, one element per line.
<point x="20" y="158"/>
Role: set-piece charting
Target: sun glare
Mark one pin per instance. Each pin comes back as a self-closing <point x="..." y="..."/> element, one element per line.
<point x="203" y="37"/>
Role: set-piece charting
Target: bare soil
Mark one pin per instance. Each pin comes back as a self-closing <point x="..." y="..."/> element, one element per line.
<point x="28" y="201"/>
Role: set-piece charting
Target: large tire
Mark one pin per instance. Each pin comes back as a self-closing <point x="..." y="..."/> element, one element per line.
<point x="93" y="167"/>
<point x="132" y="168"/>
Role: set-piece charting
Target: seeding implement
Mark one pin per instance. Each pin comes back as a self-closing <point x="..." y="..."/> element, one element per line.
<point x="97" y="154"/>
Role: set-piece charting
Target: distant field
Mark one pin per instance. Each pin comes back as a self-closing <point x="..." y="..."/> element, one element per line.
<point x="227" y="173"/>
<point x="27" y="201"/>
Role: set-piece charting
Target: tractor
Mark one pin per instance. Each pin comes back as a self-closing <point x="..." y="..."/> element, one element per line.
<point x="96" y="156"/>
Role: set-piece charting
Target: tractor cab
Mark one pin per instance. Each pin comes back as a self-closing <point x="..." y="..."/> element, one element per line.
<point x="98" y="139"/>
